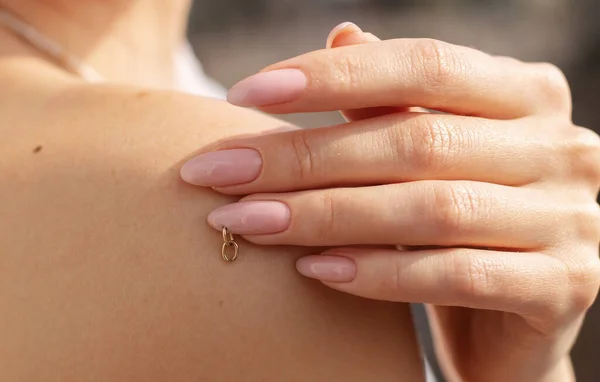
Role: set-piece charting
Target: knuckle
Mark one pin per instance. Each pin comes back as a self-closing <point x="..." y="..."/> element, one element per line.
<point x="440" y="63"/>
<point x="548" y="303"/>
<point x="453" y="208"/>
<point x="398" y="144"/>
<point x="552" y="84"/>
<point x="583" y="275"/>
<point x="329" y="224"/>
<point x="347" y="73"/>
<point x="553" y="78"/>
<point x="468" y="277"/>
<point x="397" y="280"/>
<point x="396" y="283"/>
<point x="586" y="222"/>
<point x="430" y="146"/>
<point x="582" y="151"/>
<point x="304" y="156"/>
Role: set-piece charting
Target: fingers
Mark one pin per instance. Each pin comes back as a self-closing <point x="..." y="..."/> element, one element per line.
<point x="525" y="284"/>
<point x="415" y="214"/>
<point x="390" y="149"/>
<point x="537" y="286"/>
<point x="406" y="72"/>
<point x="347" y="34"/>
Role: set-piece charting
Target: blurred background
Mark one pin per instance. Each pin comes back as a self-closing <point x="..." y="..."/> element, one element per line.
<point x="236" y="38"/>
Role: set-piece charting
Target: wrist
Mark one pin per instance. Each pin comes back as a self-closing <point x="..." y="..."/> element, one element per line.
<point x="562" y="372"/>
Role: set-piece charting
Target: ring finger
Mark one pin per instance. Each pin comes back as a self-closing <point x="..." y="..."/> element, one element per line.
<point x="438" y="213"/>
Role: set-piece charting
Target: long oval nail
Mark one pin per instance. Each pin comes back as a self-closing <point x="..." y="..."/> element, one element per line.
<point x="223" y="168"/>
<point x="268" y="88"/>
<point x="252" y="217"/>
<point x="333" y="269"/>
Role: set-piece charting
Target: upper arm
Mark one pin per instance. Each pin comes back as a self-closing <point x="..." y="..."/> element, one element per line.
<point x="108" y="270"/>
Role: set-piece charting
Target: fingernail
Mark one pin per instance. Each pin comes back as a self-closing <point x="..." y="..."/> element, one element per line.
<point x="252" y="217"/>
<point x="268" y="88"/>
<point x="346" y="27"/>
<point x="223" y="168"/>
<point x="333" y="269"/>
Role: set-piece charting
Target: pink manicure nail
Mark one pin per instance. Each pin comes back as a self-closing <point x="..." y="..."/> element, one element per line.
<point x="252" y="217"/>
<point x="327" y="268"/>
<point x="268" y="88"/>
<point x="223" y="168"/>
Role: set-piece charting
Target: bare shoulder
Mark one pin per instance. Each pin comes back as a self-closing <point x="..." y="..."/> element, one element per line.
<point x="108" y="270"/>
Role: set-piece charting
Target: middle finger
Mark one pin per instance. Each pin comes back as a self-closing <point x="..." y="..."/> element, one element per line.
<point x="438" y="213"/>
<point x="388" y="149"/>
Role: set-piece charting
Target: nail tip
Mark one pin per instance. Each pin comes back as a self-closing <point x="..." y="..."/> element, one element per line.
<point x="251" y="217"/>
<point x="185" y="174"/>
<point x="222" y="168"/>
<point x="268" y="88"/>
<point x="235" y="99"/>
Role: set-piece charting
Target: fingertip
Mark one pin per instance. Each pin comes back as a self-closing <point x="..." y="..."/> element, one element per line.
<point x="328" y="269"/>
<point x="268" y="88"/>
<point x="251" y="217"/>
<point x="223" y="168"/>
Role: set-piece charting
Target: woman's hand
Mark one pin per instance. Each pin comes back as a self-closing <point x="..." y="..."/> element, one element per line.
<point x="494" y="202"/>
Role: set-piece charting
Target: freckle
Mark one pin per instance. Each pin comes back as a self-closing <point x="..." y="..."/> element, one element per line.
<point x="221" y="302"/>
<point x="37" y="149"/>
<point x="142" y="94"/>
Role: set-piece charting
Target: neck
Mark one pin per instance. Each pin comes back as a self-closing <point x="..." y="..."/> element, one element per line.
<point x="132" y="41"/>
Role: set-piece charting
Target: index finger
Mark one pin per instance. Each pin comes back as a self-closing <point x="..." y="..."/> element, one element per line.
<point x="405" y="72"/>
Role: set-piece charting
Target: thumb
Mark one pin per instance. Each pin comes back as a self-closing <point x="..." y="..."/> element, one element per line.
<point x="347" y="34"/>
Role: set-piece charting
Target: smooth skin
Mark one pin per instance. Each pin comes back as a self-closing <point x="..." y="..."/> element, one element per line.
<point x="108" y="271"/>
<point x="492" y="202"/>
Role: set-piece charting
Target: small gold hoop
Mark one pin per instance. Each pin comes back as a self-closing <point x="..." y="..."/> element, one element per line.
<point x="230" y="255"/>
<point x="227" y="236"/>
<point x="230" y="249"/>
